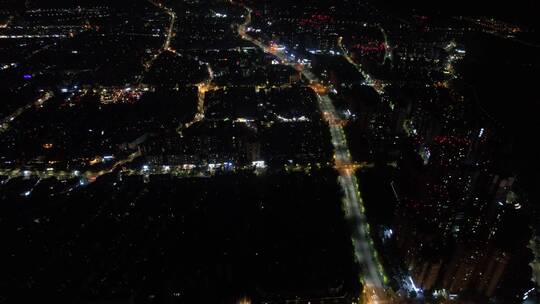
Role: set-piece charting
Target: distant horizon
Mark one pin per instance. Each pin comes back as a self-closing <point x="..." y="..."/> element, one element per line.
<point x="526" y="11"/>
<point x="522" y="11"/>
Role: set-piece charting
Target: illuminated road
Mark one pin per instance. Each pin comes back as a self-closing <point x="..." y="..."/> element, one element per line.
<point x="365" y="253"/>
<point x="375" y="84"/>
<point x="170" y="33"/>
<point x="170" y="30"/>
<point x="387" y="49"/>
<point x="5" y="122"/>
<point x="202" y="87"/>
<point x="167" y="44"/>
<point x="90" y="175"/>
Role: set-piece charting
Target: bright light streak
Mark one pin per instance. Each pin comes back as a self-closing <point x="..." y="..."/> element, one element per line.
<point x="413" y="285"/>
<point x="481" y="133"/>
<point x="526" y="294"/>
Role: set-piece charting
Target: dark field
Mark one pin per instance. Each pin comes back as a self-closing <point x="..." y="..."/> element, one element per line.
<point x="207" y="240"/>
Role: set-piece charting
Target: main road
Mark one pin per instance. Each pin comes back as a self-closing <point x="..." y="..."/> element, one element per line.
<point x="170" y="29"/>
<point x="372" y="272"/>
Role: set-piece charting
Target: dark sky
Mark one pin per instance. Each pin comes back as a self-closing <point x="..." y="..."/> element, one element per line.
<point x="525" y="11"/>
<point x="522" y="11"/>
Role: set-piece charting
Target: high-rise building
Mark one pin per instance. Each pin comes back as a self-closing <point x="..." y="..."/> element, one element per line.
<point x="490" y="272"/>
<point x="461" y="268"/>
<point x="427" y="274"/>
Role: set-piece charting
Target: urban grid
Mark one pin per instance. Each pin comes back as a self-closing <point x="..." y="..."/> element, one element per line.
<point x="269" y="151"/>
